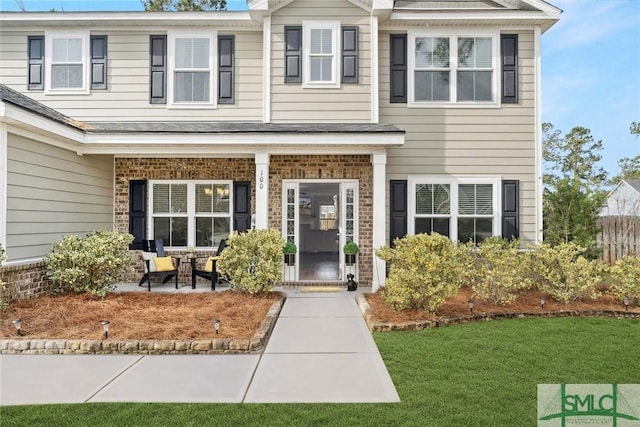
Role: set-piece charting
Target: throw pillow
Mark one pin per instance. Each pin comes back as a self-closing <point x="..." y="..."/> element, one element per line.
<point x="208" y="266"/>
<point x="164" y="264"/>
<point x="149" y="256"/>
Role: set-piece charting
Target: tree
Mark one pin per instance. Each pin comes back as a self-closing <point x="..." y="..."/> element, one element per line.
<point x="629" y="167"/>
<point x="183" y="5"/>
<point x="573" y="192"/>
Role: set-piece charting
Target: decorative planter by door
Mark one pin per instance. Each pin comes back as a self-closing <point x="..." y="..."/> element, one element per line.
<point x="349" y="259"/>
<point x="290" y="259"/>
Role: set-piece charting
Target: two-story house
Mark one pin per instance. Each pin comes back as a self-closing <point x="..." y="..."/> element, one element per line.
<point x="332" y="121"/>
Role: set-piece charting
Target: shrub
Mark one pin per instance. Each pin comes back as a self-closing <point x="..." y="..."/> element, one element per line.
<point x="423" y="272"/>
<point x="564" y="273"/>
<point x="253" y="260"/>
<point x="494" y="270"/>
<point x="91" y="264"/>
<point x="626" y="278"/>
<point x="3" y="258"/>
<point x="289" y="248"/>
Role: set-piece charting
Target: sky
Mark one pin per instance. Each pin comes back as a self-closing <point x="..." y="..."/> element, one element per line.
<point x="590" y="66"/>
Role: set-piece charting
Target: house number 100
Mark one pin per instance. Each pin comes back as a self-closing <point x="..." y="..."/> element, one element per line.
<point x="261" y="186"/>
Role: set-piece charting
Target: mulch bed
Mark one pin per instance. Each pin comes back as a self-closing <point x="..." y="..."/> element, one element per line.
<point x="138" y="316"/>
<point x="527" y="302"/>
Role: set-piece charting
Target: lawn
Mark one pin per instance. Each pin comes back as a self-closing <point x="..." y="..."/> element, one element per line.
<point x="478" y="374"/>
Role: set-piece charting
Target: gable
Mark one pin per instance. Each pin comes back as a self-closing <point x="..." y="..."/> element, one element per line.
<point x="469" y="5"/>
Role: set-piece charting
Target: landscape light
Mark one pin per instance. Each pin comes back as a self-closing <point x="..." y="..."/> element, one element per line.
<point x="625" y="301"/>
<point x="18" y="324"/>
<point x="542" y="301"/>
<point x="216" y="325"/>
<point x="471" y="302"/>
<point x="105" y="327"/>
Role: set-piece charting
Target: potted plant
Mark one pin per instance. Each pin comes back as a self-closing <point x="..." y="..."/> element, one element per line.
<point x="191" y="252"/>
<point x="289" y="251"/>
<point x="350" y="250"/>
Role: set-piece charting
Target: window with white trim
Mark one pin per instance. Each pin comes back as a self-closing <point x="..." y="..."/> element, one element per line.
<point x="191" y="73"/>
<point x="463" y="209"/>
<point x="321" y="47"/>
<point x="67" y="63"/>
<point x="190" y="213"/>
<point x="447" y="69"/>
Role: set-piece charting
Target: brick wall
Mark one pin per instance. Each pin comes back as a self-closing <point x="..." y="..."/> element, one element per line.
<point x="24" y="281"/>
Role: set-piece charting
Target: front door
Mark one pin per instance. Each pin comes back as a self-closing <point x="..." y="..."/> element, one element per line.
<point x="319" y="217"/>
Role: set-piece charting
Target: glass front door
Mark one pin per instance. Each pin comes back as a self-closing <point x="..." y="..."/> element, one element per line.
<point x="319" y="217"/>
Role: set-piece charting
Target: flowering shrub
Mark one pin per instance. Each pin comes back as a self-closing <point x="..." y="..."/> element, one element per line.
<point x="3" y="258"/>
<point x="253" y="260"/>
<point x="564" y="273"/>
<point x="423" y="272"/>
<point x="91" y="264"/>
<point x="494" y="270"/>
<point x="626" y="278"/>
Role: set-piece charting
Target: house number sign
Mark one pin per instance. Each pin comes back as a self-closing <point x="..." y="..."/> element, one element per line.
<point x="261" y="180"/>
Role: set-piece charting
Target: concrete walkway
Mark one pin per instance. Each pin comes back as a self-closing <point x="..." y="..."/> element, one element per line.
<point x="320" y="351"/>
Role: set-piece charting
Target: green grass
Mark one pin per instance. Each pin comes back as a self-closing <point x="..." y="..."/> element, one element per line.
<point x="480" y="374"/>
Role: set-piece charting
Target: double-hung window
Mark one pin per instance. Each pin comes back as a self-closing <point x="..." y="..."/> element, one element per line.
<point x="194" y="213"/>
<point x="321" y="46"/>
<point x="463" y="209"/>
<point x="191" y="69"/>
<point x="448" y="69"/>
<point x="67" y="63"/>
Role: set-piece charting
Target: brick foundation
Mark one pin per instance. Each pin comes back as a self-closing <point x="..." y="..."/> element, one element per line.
<point x="24" y="281"/>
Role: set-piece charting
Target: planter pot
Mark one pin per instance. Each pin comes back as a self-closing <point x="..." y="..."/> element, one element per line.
<point x="349" y="259"/>
<point x="290" y="259"/>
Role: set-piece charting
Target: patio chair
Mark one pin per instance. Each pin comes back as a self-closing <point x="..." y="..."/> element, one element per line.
<point x="157" y="264"/>
<point x="209" y="270"/>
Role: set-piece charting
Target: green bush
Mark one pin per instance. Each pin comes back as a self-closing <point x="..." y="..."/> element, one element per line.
<point x="91" y="264"/>
<point x="494" y="270"/>
<point x="253" y="260"/>
<point x="626" y="278"/>
<point x="423" y="272"/>
<point x="564" y="273"/>
<point x="289" y="248"/>
<point x="3" y="258"/>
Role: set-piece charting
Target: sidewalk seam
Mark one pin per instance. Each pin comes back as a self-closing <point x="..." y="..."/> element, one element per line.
<point x="114" y="378"/>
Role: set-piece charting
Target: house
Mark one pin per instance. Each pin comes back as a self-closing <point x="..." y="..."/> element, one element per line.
<point x="333" y="121"/>
<point x="623" y="200"/>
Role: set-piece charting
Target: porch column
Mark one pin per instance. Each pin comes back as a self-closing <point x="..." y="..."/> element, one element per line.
<point x="4" y="138"/>
<point x="262" y="191"/>
<point x="379" y="162"/>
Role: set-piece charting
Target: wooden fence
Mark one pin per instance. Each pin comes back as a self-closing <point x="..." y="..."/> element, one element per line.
<point x="619" y="236"/>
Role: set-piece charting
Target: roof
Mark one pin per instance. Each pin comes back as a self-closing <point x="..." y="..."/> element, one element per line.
<point x="19" y="100"/>
<point x="633" y="183"/>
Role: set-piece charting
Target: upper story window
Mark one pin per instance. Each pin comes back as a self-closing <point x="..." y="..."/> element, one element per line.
<point x="447" y="69"/>
<point x="67" y="63"/>
<point x="321" y="46"/>
<point x="191" y="69"/>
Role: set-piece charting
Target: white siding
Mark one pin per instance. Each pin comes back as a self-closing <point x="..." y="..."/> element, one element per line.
<point x="464" y="141"/>
<point x="290" y="102"/>
<point x="127" y="96"/>
<point x="51" y="193"/>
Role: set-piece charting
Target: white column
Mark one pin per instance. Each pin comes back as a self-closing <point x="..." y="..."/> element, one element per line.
<point x="266" y="70"/>
<point x="379" y="162"/>
<point x="262" y="190"/>
<point x="3" y="184"/>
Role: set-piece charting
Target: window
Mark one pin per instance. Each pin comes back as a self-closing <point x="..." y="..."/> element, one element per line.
<point x="321" y="47"/>
<point x="453" y="69"/>
<point x="464" y="209"/>
<point x="191" y="213"/>
<point x="67" y="62"/>
<point x="191" y="68"/>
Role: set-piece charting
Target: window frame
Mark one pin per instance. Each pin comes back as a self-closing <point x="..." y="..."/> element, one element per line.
<point x="49" y="37"/>
<point x="335" y="28"/>
<point x="454" y="36"/>
<point x="454" y="182"/>
<point x="172" y="36"/>
<point x="191" y="213"/>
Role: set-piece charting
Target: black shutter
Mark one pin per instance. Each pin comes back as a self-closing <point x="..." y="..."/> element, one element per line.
<point x="137" y="212"/>
<point x="509" y="53"/>
<point x="510" y="209"/>
<point x="158" y="69"/>
<point x="293" y="54"/>
<point x="398" y="209"/>
<point x="398" y="71"/>
<point x="349" y="54"/>
<point x="36" y="63"/>
<point x="225" y="69"/>
<point x="98" y="62"/>
<point x="241" y="206"/>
